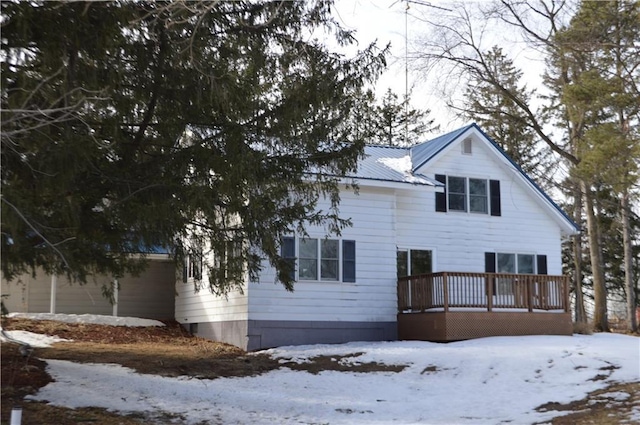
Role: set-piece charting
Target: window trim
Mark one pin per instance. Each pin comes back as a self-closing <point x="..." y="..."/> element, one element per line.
<point x="408" y="264"/>
<point x="193" y="265"/>
<point x="464" y="194"/>
<point x="485" y="196"/>
<point x="342" y="272"/>
<point x="516" y="262"/>
<point x="492" y="195"/>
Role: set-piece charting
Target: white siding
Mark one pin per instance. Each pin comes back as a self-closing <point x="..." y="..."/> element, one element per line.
<point x="28" y="294"/>
<point x="195" y="306"/>
<point x="149" y="295"/>
<point x="459" y="238"/>
<point x="371" y="298"/>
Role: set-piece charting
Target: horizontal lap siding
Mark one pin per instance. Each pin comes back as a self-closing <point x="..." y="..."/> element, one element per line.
<point x="371" y="298"/>
<point x="149" y="295"/>
<point x="460" y="239"/>
<point x="29" y="294"/>
<point x="16" y="295"/>
<point x="203" y="306"/>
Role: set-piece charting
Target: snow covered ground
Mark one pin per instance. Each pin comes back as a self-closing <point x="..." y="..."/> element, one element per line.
<point x="482" y="381"/>
<point x="89" y="318"/>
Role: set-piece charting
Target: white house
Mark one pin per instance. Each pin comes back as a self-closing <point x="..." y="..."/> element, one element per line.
<point x="480" y="240"/>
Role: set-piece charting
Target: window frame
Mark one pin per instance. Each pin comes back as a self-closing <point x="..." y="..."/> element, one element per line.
<point x="408" y="263"/>
<point x="484" y="196"/>
<point x="193" y="267"/>
<point x="516" y="262"/>
<point x="315" y="260"/>
<point x="457" y="194"/>
<point x="468" y="196"/>
<point x="344" y="266"/>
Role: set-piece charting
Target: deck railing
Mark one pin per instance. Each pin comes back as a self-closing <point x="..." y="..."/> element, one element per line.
<point x="491" y="291"/>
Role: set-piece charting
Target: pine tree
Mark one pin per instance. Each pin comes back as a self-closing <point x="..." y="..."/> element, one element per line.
<point x="395" y="123"/>
<point x="130" y="125"/>
<point x="498" y="114"/>
<point x="599" y="48"/>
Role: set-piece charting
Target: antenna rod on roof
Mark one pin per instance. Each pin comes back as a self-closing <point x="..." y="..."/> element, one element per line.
<point x="406" y="74"/>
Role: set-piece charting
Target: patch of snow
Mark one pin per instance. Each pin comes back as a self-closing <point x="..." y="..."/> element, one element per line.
<point x="468" y="383"/>
<point x="33" y="339"/>
<point x="616" y="395"/>
<point x="401" y="165"/>
<point x="95" y="319"/>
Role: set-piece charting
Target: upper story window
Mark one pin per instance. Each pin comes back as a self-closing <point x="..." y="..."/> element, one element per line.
<point x="321" y="259"/>
<point x="478" y="196"/>
<point x="457" y="188"/>
<point x="464" y="194"/>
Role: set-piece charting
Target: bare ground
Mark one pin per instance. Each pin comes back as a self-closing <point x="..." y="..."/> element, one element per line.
<point x="171" y="351"/>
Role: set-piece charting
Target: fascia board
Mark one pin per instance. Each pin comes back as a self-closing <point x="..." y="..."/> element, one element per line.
<point x="386" y="184"/>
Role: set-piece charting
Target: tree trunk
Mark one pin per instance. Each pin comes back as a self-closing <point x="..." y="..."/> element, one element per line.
<point x="600" y="322"/>
<point x="632" y="324"/>
<point x="580" y="315"/>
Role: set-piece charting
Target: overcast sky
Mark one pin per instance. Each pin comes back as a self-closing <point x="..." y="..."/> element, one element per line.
<point x="387" y="22"/>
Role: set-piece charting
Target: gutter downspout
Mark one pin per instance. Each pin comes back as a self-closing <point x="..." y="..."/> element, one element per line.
<point x="52" y="302"/>
<point x="115" y="298"/>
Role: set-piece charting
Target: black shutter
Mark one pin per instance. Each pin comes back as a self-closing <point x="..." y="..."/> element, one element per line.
<point x="197" y="273"/>
<point x="542" y="264"/>
<point x="348" y="261"/>
<point x="441" y="197"/>
<point x="490" y="267"/>
<point x="490" y="262"/>
<point x="288" y="252"/>
<point x="494" y="194"/>
<point x="185" y="265"/>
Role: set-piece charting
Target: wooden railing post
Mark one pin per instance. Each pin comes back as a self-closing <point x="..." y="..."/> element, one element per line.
<point x="565" y="288"/>
<point x="445" y="291"/>
<point x="529" y="289"/>
<point x="490" y="281"/>
<point x="401" y="295"/>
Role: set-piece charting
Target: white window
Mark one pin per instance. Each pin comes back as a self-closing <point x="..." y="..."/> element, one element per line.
<point x="412" y="262"/>
<point x="478" y="196"/>
<point x="457" y="189"/>
<point x="308" y="258"/>
<point x="467" y="194"/>
<point x="321" y="259"/>
<point x="192" y="267"/>
<point x="515" y="263"/>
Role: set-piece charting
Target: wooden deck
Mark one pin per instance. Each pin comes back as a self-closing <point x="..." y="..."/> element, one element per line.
<point x="449" y="306"/>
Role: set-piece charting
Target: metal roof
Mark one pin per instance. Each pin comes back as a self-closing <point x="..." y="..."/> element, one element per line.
<point x="384" y="163"/>
<point x="392" y="164"/>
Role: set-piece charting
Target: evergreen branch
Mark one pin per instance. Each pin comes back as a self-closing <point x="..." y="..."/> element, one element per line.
<point x="28" y="223"/>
